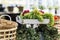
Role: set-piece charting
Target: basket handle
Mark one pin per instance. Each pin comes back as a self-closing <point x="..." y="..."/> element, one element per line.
<point x="5" y="15"/>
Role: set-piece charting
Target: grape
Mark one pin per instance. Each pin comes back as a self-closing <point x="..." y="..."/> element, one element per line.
<point x="40" y="18"/>
<point x="49" y="16"/>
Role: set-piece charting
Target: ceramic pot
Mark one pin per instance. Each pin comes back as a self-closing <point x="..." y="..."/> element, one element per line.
<point x="20" y="8"/>
<point x="10" y="8"/>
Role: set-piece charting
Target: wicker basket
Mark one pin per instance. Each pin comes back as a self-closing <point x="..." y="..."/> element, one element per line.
<point x="8" y="34"/>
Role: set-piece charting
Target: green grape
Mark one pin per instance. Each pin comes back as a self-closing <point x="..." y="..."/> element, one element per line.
<point x="40" y="18"/>
<point x="49" y="16"/>
<point x="36" y="11"/>
<point x="26" y="16"/>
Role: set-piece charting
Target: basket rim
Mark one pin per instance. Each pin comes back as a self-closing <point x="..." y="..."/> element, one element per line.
<point x="8" y="29"/>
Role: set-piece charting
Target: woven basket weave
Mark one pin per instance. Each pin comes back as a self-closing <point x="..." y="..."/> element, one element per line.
<point x="8" y="31"/>
<point x="8" y="34"/>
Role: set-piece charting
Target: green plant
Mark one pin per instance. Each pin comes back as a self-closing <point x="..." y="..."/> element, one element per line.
<point x="35" y="14"/>
<point x="41" y="7"/>
<point x="49" y="33"/>
<point x="27" y="34"/>
<point x="50" y="17"/>
<point x="56" y="7"/>
<point x="50" y="8"/>
<point x="58" y="36"/>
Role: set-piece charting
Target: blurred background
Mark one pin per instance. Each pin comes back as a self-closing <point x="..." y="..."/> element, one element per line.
<point x="30" y="4"/>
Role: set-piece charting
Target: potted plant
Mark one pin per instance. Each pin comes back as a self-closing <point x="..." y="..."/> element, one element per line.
<point x="56" y="8"/>
<point x="50" y="8"/>
<point x="10" y="8"/>
<point x="20" y="8"/>
<point x="41" y="7"/>
<point x="35" y="17"/>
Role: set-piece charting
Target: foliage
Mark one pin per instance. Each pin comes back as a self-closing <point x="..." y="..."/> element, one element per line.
<point x="27" y="34"/>
<point x="49" y="33"/>
<point x="56" y="7"/>
<point x="35" y="14"/>
<point x="41" y="7"/>
<point x="58" y="36"/>
<point x="50" y="7"/>
<point x="50" y="17"/>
